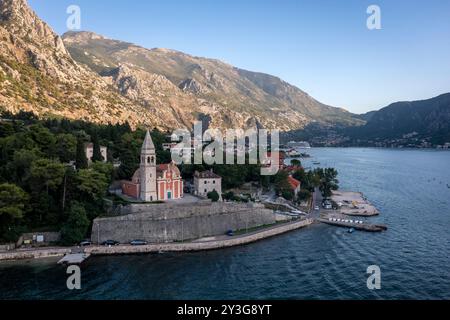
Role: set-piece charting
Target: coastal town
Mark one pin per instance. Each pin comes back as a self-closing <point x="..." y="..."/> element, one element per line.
<point x="163" y="206"/>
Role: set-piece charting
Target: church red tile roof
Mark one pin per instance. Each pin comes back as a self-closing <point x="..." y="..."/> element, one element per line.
<point x="162" y="167"/>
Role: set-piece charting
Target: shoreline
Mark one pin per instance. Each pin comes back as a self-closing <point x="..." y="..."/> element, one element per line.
<point x="220" y="242"/>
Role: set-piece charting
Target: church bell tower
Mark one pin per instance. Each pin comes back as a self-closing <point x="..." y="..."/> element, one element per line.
<point x="148" y="190"/>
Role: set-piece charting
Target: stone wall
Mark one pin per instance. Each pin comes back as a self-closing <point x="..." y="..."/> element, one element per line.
<point x="7" y="247"/>
<point x="225" y="242"/>
<point x="31" y="238"/>
<point x="34" y="254"/>
<point x="171" y="222"/>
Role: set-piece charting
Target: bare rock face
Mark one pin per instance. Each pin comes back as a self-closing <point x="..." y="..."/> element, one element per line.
<point x="75" y="77"/>
<point x="38" y="74"/>
<point x="192" y="86"/>
<point x="231" y="97"/>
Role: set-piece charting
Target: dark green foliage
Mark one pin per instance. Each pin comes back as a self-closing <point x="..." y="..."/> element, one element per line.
<point x="12" y="201"/>
<point x="13" y="206"/>
<point x="328" y="181"/>
<point x="97" y="155"/>
<point x="281" y="183"/>
<point x="214" y="196"/>
<point x="35" y="157"/>
<point x="81" y="160"/>
<point x="66" y="147"/>
<point x="76" y="226"/>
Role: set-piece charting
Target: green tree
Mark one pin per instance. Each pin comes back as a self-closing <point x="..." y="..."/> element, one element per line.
<point x="19" y="169"/>
<point x="287" y="194"/>
<point x="91" y="184"/>
<point x="44" y="139"/>
<point x="6" y="129"/>
<point x="48" y="173"/>
<point x="296" y="162"/>
<point x="97" y="154"/>
<point x="213" y="195"/>
<point x="229" y="196"/>
<point x="106" y="169"/>
<point x="81" y="160"/>
<point x="281" y="182"/>
<point x="328" y="181"/>
<point x="66" y="147"/>
<point x="129" y="164"/>
<point x="12" y="201"/>
<point x="76" y="226"/>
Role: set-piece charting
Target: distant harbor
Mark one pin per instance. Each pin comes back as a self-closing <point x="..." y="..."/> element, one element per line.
<point x="299" y="144"/>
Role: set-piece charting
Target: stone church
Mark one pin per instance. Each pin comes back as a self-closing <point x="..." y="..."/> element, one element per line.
<point x="152" y="182"/>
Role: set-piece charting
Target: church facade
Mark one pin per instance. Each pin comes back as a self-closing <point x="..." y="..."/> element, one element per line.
<point x="152" y="182"/>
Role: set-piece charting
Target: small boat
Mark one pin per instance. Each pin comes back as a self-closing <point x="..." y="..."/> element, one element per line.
<point x="351" y="230"/>
<point x="294" y="154"/>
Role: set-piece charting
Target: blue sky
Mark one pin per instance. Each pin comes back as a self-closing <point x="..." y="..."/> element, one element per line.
<point x="323" y="47"/>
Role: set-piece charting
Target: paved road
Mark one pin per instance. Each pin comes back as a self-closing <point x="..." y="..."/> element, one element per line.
<point x="317" y="202"/>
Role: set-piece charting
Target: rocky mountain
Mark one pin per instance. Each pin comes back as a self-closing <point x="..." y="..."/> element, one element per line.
<point x="87" y="76"/>
<point x="425" y="118"/>
<point x="230" y="96"/>
<point x="38" y="74"/>
<point x="420" y="124"/>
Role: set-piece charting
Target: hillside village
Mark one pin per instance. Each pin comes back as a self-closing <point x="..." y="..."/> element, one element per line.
<point x="59" y="175"/>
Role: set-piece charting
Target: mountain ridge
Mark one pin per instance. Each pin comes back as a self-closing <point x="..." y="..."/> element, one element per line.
<point x="83" y="75"/>
<point x="216" y="83"/>
<point x="37" y="74"/>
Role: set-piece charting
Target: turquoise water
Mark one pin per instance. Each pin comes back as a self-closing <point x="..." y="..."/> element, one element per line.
<point x="409" y="187"/>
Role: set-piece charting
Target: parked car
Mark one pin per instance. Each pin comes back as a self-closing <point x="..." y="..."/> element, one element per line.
<point x="230" y="233"/>
<point x="85" y="243"/>
<point x="138" y="243"/>
<point x="110" y="243"/>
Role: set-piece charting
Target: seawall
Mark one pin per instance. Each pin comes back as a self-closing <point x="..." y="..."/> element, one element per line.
<point x="34" y="254"/>
<point x="201" y="246"/>
<point x="171" y="222"/>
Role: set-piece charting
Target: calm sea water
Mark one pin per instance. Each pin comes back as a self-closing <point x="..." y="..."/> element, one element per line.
<point x="321" y="262"/>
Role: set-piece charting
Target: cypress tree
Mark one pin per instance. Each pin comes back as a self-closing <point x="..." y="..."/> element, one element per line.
<point x="97" y="154"/>
<point x="81" y="160"/>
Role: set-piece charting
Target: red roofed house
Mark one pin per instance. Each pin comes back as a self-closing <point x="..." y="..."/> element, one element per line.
<point x="295" y="185"/>
<point x="153" y="182"/>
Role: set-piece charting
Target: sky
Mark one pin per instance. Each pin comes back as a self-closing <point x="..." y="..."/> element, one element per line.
<point x="323" y="47"/>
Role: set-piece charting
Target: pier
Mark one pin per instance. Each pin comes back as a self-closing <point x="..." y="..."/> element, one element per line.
<point x="73" y="258"/>
<point x="357" y="225"/>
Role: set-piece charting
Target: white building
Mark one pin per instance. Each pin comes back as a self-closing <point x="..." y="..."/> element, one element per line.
<point x="89" y="150"/>
<point x="147" y="170"/>
<point x="206" y="182"/>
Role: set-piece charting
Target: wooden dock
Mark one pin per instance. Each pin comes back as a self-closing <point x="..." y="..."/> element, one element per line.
<point x="74" y="258"/>
<point x="357" y="225"/>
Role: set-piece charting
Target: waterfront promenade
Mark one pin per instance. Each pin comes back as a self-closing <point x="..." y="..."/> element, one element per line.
<point x="212" y="243"/>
